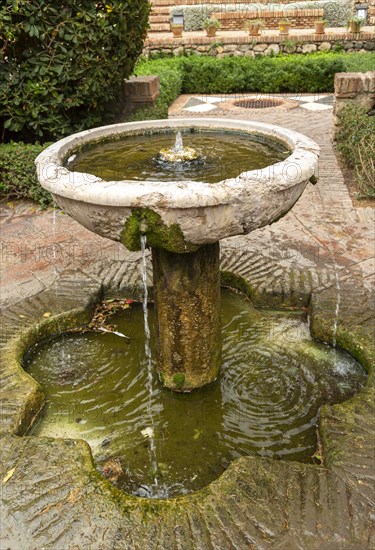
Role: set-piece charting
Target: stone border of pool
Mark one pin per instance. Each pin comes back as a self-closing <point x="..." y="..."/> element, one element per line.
<point x="55" y="498"/>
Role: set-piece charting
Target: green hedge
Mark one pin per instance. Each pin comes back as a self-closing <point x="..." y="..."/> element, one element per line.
<point x="292" y="73"/>
<point x="18" y="174"/>
<point x="356" y="143"/>
<point x="358" y="62"/>
<point x="260" y="74"/>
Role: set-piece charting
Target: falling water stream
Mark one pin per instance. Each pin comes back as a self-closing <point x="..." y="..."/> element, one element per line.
<point x="337" y="309"/>
<point x="54" y="267"/>
<point x="150" y="432"/>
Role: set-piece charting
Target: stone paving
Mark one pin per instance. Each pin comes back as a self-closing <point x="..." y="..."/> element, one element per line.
<point x="323" y="252"/>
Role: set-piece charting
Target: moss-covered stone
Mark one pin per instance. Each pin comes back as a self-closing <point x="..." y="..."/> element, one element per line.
<point x="256" y="502"/>
<point x="146" y="221"/>
<point x="179" y="379"/>
<point x="29" y="391"/>
<point x="342" y="426"/>
<point x="232" y="280"/>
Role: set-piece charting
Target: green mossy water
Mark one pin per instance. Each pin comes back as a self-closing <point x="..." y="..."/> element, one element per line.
<point x="223" y="155"/>
<point x="273" y="380"/>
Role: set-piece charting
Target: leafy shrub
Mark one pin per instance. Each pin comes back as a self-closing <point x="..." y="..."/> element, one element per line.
<point x="194" y="16"/>
<point x="359" y="63"/>
<point x="18" y="174"/>
<point x="210" y="75"/>
<point x="356" y="143"/>
<point x="62" y="63"/>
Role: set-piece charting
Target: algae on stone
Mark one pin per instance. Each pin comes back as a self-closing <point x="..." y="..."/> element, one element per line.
<point x="145" y="220"/>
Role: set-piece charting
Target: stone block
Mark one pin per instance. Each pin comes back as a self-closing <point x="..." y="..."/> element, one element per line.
<point x="347" y="84"/>
<point x="260" y="47"/>
<point x="272" y="49"/>
<point x="325" y="46"/>
<point x="353" y="88"/>
<point x="142" y="89"/>
<point x="309" y="48"/>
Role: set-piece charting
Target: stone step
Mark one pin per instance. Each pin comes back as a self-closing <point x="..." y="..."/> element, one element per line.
<point x="159" y="19"/>
<point x="160" y="27"/>
<point x="160" y="10"/>
<point x="163" y="3"/>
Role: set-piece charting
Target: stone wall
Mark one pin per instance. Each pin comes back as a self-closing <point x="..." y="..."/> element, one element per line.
<point x="298" y="18"/>
<point x="357" y="88"/>
<point x="263" y="45"/>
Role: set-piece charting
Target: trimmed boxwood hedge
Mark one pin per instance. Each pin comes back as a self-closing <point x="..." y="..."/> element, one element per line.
<point x="308" y="73"/>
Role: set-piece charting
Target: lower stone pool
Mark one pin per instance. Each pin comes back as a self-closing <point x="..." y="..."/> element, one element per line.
<point x="266" y="401"/>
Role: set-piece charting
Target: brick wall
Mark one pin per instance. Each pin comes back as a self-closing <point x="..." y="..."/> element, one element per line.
<point x="371" y="12"/>
<point x="298" y="18"/>
<point x="358" y="88"/>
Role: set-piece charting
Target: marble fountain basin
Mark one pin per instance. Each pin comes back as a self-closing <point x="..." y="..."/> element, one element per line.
<point x="183" y="214"/>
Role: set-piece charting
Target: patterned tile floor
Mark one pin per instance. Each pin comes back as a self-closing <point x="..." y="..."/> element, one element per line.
<point x="206" y="104"/>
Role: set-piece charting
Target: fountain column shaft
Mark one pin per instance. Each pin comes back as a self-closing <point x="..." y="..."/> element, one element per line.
<point x="187" y="307"/>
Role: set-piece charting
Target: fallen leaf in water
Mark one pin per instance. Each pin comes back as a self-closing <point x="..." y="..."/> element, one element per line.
<point x="47" y="314"/>
<point x="9" y="475"/>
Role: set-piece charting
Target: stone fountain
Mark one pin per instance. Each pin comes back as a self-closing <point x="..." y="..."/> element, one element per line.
<point x="183" y="222"/>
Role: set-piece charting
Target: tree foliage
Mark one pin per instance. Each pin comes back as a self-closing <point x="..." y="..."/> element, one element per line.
<point x="61" y="63"/>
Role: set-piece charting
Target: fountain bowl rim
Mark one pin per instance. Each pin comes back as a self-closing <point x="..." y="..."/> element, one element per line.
<point x="300" y="165"/>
